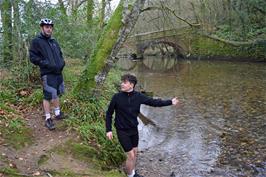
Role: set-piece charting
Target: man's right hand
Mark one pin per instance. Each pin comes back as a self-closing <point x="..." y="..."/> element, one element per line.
<point x="109" y="135"/>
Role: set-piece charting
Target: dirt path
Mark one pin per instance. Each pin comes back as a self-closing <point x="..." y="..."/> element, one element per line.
<point x="26" y="159"/>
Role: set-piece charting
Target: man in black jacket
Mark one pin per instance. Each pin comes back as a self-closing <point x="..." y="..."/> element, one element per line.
<point x="45" y="52"/>
<point x="126" y="105"/>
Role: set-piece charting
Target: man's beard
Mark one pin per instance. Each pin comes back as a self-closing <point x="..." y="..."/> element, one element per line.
<point x="46" y="34"/>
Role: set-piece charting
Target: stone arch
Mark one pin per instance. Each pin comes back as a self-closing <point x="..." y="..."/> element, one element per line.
<point x="178" y="50"/>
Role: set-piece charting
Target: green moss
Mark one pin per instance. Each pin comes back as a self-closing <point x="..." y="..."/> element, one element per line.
<point x="206" y="47"/>
<point x="79" y="150"/>
<point x="87" y="154"/>
<point x="114" y="173"/>
<point x="43" y="158"/>
<point x="92" y="172"/>
<point x="16" y="134"/>
<point x="10" y="172"/>
<point x="102" y="51"/>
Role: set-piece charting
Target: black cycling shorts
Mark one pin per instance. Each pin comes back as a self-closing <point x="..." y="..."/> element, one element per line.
<point x="53" y="86"/>
<point x="128" y="138"/>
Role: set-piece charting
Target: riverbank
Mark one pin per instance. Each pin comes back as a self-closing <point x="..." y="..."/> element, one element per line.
<point x="77" y="147"/>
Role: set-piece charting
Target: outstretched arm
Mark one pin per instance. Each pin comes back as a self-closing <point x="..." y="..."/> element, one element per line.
<point x="158" y="102"/>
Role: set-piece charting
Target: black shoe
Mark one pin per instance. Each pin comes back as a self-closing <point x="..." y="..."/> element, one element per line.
<point x="60" y="116"/>
<point x="137" y="175"/>
<point x="49" y="124"/>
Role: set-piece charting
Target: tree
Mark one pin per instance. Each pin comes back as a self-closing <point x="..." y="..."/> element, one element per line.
<point x="6" y="14"/>
<point x="104" y="55"/>
<point x="102" y="14"/>
<point x="17" y="41"/>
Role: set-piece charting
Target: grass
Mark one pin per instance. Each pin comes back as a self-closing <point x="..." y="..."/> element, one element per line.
<point x="113" y="173"/>
<point x="13" y="129"/>
<point x="86" y="118"/>
<point x="85" y="153"/>
<point x="80" y="151"/>
<point x="43" y="158"/>
<point x="16" y="134"/>
<point x="10" y="172"/>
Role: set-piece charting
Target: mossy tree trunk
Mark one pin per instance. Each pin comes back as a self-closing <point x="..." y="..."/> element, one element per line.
<point x="90" y="8"/>
<point x="6" y="14"/>
<point x="104" y="55"/>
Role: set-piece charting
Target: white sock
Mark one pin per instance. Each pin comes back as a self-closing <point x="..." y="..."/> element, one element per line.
<point x="132" y="174"/>
<point x="57" y="111"/>
<point x="47" y="116"/>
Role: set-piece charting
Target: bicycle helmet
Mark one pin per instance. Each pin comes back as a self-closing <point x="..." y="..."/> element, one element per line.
<point x="46" y="21"/>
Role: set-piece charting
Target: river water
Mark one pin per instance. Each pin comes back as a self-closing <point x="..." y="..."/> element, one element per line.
<point x="219" y="128"/>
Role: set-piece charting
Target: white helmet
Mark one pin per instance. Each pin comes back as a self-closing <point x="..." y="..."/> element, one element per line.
<point x="46" y="21"/>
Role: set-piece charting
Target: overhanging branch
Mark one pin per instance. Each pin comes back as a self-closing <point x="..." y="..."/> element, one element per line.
<point x="165" y="8"/>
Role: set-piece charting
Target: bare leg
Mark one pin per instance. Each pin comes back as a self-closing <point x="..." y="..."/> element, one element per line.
<point x="135" y="150"/>
<point x="46" y="106"/>
<point x="130" y="162"/>
<point x="56" y="103"/>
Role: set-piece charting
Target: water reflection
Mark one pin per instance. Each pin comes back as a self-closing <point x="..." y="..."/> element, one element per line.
<point x="219" y="130"/>
<point x="148" y="63"/>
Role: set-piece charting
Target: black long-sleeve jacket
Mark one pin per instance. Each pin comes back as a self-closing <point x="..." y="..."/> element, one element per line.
<point x="46" y="53"/>
<point x="127" y="107"/>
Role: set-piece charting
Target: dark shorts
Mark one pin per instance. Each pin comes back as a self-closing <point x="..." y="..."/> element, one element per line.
<point x="128" y="139"/>
<point x="53" y="86"/>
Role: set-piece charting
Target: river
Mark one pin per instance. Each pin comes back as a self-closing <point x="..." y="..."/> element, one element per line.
<point x="219" y="128"/>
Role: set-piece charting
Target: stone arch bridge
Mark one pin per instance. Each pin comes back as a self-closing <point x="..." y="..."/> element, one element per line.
<point x="163" y="42"/>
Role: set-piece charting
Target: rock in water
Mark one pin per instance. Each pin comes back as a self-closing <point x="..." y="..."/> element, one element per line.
<point x="172" y="174"/>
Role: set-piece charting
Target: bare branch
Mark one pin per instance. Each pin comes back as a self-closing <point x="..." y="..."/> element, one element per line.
<point x="80" y="3"/>
<point x="234" y="43"/>
<point x="169" y="10"/>
<point x="62" y="6"/>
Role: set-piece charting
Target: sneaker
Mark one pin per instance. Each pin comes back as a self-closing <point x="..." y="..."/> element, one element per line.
<point x="137" y="175"/>
<point x="49" y="124"/>
<point x="60" y="116"/>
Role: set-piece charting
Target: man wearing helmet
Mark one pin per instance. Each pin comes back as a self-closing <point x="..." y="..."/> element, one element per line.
<point x="46" y="53"/>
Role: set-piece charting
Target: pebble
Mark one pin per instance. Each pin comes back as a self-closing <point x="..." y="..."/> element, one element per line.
<point x="37" y="173"/>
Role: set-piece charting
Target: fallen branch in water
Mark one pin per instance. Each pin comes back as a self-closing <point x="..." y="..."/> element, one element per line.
<point x="234" y="43"/>
<point x="146" y="120"/>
